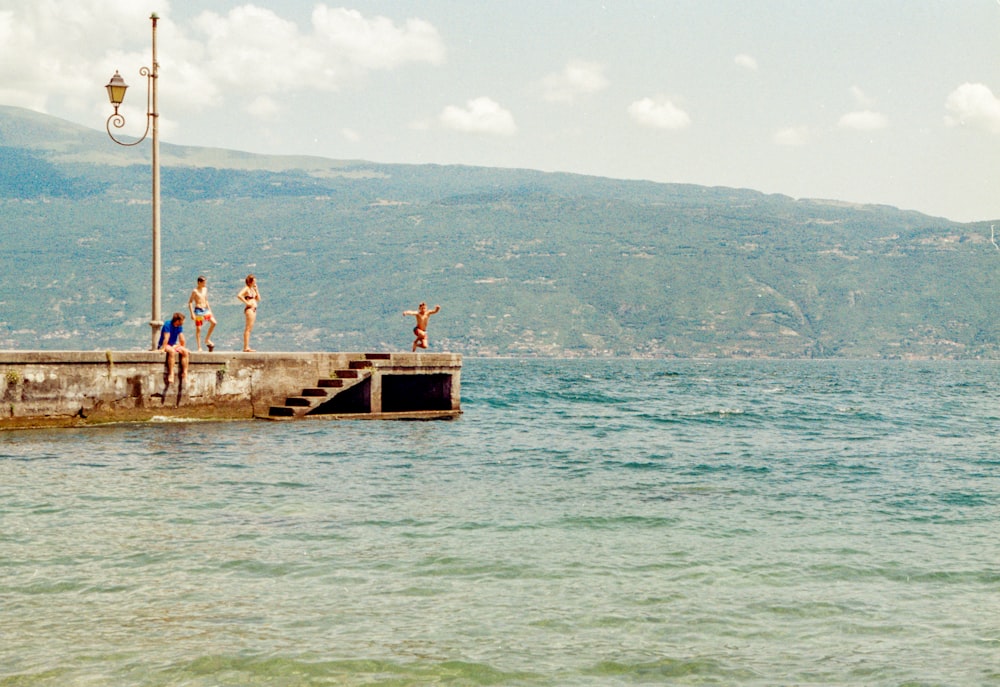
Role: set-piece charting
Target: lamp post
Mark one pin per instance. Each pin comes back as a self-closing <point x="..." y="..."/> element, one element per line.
<point x="116" y="94"/>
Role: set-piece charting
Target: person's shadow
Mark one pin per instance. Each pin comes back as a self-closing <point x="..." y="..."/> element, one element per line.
<point x="166" y="387"/>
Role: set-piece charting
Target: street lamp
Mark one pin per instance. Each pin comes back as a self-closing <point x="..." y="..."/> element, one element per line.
<point x="116" y="93"/>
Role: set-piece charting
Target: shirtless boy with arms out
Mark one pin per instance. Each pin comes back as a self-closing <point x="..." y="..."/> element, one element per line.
<point x="201" y="313"/>
<point x="423" y="315"/>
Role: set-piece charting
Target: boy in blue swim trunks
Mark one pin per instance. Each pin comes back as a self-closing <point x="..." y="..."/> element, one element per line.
<point x="172" y="343"/>
<point x="202" y="313"/>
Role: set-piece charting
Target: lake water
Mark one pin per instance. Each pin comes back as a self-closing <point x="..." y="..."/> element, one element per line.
<point x="583" y="523"/>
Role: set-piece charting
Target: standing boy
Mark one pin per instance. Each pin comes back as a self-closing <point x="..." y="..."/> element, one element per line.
<point x="201" y="313"/>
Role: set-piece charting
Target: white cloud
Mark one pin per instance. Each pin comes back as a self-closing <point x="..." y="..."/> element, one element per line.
<point x="577" y="78"/>
<point x="71" y="48"/>
<point x="975" y="106"/>
<point x="481" y="116"/>
<point x="745" y="61"/>
<point x="47" y="49"/>
<point x="254" y="42"/>
<point x="861" y="98"/>
<point x="24" y="98"/>
<point x="791" y="136"/>
<point x="658" y="113"/>
<point x="264" y="107"/>
<point x="376" y="43"/>
<point x="866" y="118"/>
<point x="863" y="120"/>
<point x="350" y="135"/>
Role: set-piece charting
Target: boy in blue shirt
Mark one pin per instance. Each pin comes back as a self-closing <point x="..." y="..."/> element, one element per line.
<point x="172" y="342"/>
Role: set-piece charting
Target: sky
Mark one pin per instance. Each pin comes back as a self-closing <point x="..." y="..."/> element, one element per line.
<point x="893" y="102"/>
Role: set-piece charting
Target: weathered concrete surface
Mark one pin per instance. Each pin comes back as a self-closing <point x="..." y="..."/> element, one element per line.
<point x="74" y="388"/>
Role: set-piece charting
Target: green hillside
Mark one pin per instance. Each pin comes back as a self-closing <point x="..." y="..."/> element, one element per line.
<point x="522" y="262"/>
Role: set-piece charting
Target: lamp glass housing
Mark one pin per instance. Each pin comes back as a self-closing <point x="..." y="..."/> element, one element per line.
<point x="116" y="89"/>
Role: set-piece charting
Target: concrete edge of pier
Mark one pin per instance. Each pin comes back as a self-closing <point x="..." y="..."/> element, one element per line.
<point x="80" y="388"/>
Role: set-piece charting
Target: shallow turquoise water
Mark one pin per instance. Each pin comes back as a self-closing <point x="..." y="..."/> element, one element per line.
<point x="583" y="523"/>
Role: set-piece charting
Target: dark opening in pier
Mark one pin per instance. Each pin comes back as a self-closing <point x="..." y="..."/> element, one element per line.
<point x="416" y="392"/>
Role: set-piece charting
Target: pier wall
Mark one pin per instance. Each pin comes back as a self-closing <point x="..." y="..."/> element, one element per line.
<point x="74" y="388"/>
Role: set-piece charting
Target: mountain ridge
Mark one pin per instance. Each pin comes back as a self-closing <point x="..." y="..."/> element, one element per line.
<point x="523" y="262"/>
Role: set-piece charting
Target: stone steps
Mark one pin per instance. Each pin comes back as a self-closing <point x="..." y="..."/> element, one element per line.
<point x="312" y="397"/>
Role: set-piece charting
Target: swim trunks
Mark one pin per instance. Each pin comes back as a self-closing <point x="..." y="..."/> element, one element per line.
<point x="200" y="315"/>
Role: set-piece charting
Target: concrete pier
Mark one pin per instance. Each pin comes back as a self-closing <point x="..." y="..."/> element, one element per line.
<point x="76" y="388"/>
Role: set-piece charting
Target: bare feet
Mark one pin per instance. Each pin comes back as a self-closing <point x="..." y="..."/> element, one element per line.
<point x="249" y="350"/>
